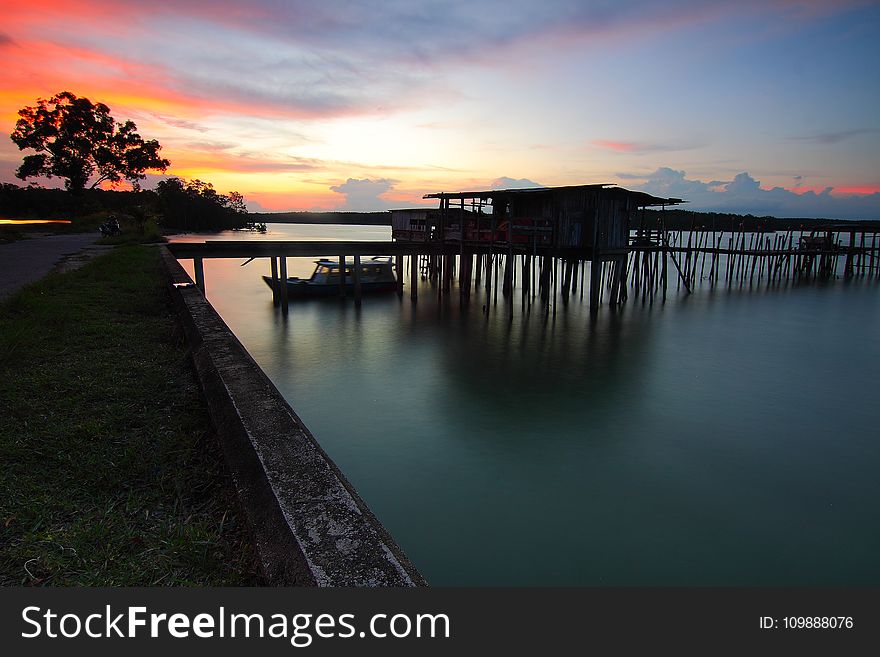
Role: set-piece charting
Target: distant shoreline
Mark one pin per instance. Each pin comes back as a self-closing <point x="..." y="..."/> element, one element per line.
<point x="353" y="218"/>
<point x="674" y="219"/>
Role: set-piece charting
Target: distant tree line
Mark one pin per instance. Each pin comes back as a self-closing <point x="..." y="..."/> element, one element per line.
<point x="672" y="218"/>
<point x="678" y="219"/>
<point x="34" y="202"/>
<point x="380" y="218"/>
<point x="195" y="205"/>
<point x="179" y="204"/>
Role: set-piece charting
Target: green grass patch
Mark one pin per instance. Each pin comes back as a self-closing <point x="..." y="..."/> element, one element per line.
<point x="111" y="475"/>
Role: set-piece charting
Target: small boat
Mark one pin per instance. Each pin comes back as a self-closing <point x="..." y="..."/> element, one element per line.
<point x="376" y="275"/>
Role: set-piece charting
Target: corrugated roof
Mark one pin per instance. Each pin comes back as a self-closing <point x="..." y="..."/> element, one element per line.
<point x="642" y="198"/>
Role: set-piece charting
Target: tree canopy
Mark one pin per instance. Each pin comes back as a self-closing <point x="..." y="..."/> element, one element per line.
<point x="196" y="205"/>
<point x="79" y="141"/>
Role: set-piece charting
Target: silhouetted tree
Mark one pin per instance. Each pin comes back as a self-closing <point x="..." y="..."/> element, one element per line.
<point x="235" y="202"/>
<point x="76" y="139"/>
<point x="196" y="205"/>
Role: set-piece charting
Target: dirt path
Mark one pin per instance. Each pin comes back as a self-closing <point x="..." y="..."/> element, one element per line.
<point x="26" y="261"/>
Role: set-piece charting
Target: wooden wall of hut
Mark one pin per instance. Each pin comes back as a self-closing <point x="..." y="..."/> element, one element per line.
<point x="583" y="217"/>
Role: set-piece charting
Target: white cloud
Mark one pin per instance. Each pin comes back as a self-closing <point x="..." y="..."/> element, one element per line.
<point x="363" y="194"/>
<point x="744" y="195"/>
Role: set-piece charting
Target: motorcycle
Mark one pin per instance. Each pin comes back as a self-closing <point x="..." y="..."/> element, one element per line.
<point x="110" y="227"/>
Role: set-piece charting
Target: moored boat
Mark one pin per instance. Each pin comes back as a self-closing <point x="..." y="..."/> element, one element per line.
<point x="376" y="275"/>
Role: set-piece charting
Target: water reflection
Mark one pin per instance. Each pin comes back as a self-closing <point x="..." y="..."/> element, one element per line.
<point x="720" y="438"/>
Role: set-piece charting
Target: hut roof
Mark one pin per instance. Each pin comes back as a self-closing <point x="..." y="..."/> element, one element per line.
<point x="641" y="198"/>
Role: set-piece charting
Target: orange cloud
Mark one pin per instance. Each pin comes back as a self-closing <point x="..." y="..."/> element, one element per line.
<point x="37" y="68"/>
<point x="58" y="45"/>
<point x="189" y="158"/>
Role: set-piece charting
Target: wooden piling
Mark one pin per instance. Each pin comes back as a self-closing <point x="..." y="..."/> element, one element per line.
<point x="273" y="262"/>
<point x="489" y="259"/>
<point x="555" y="262"/>
<point x="664" y="275"/>
<point x="414" y="277"/>
<point x="862" y="255"/>
<point x="614" y="298"/>
<point x="535" y="275"/>
<point x="712" y="263"/>
<point x="357" y="281"/>
<point x="495" y="287"/>
<point x="342" y="276"/>
<point x="754" y="259"/>
<point x="543" y="280"/>
<point x="595" y="282"/>
<point x="199" y="269"/>
<point x="705" y="241"/>
<point x="507" y="284"/>
<point x="284" y="289"/>
<point x="465" y="260"/>
<point x="873" y="255"/>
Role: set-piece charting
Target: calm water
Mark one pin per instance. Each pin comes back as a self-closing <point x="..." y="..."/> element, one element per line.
<point x="726" y="438"/>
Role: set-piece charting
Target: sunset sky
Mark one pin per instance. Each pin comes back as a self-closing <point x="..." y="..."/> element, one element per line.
<point x="768" y="106"/>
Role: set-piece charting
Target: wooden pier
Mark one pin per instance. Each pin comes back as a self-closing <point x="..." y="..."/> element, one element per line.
<point x="847" y="249"/>
<point x="555" y="242"/>
<point x="279" y="251"/>
<point x="647" y="267"/>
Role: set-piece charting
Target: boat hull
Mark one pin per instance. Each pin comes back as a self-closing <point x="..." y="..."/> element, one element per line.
<point x="305" y="289"/>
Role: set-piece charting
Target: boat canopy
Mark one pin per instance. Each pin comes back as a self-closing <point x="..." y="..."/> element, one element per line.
<point x="334" y="264"/>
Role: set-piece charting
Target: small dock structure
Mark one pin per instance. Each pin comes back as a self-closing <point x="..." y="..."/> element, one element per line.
<point x="551" y="242"/>
<point x="571" y="224"/>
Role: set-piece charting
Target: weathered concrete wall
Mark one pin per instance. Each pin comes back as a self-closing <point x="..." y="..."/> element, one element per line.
<point x="310" y="526"/>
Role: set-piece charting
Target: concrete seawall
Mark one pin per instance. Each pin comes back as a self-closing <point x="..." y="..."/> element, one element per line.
<point x="310" y="526"/>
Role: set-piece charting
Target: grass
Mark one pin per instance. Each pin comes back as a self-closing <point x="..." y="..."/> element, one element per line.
<point x="111" y="475"/>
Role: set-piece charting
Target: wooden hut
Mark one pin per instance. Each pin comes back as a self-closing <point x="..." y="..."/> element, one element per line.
<point x="423" y="224"/>
<point x="582" y="218"/>
<point x="569" y="224"/>
<point x="412" y="224"/>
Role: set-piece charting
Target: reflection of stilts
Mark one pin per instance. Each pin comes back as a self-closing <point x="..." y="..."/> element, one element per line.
<point x="554" y="275"/>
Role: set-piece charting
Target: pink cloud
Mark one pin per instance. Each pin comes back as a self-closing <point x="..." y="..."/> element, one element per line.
<point x="617" y="146"/>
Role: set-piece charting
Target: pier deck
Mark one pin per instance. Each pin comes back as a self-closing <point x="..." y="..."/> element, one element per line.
<point x="643" y="265"/>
